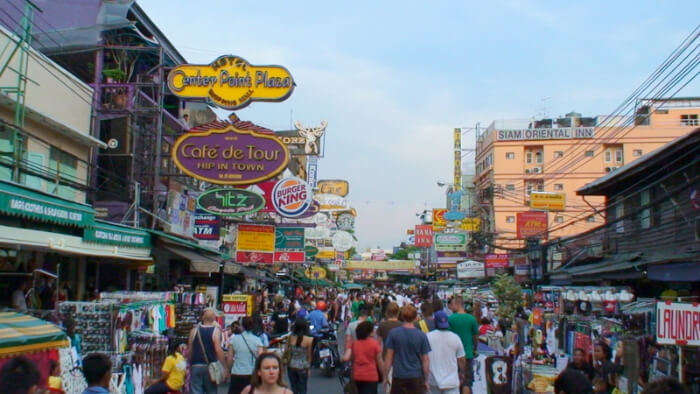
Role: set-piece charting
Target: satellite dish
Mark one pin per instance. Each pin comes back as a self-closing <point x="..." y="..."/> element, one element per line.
<point x="112" y="143"/>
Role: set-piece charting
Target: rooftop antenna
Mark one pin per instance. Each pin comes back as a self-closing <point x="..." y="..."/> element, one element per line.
<point x="544" y="107"/>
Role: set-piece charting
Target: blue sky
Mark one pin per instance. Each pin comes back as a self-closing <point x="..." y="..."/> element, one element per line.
<point x="394" y="78"/>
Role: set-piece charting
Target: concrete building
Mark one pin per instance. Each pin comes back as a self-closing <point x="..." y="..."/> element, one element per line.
<point x="516" y="158"/>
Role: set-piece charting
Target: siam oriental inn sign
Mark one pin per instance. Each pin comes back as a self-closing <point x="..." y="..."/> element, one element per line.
<point x="563" y="133"/>
<point x="230" y="156"/>
<point x="230" y="82"/>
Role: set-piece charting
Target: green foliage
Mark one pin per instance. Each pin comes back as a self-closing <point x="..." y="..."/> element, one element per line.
<point x="509" y="295"/>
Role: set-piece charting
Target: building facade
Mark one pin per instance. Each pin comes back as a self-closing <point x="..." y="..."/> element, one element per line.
<point x="514" y="159"/>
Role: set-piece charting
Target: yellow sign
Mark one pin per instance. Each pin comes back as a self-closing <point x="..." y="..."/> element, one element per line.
<point x="237" y="305"/>
<point x="391" y="265"/>
<point x="548" y="201"/>
<point x="315" y="273"/>
<point x="335" y="186"/>
<point x="255" y="238"/>
<point x="326" y="254"/>
<point x="458" y="159"/>
<point x="439" y="221"/>
<point x="470" y="224"/>
<point x="230" y="82"/>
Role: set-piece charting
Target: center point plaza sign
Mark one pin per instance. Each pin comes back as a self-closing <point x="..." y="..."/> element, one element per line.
<point x="230" y="82"/>
<point x="230" y="156"/>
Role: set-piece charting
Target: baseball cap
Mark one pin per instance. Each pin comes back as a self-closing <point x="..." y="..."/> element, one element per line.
<point x="441" y="320"/>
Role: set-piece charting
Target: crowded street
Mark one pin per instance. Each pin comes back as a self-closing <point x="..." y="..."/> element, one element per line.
<point x="349" y="198"/>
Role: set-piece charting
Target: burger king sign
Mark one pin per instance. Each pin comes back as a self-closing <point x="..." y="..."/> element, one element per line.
<point x="291" y="197"/>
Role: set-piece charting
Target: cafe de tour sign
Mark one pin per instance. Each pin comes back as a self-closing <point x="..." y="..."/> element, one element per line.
<point x="229" y="156"/>
<point x="230" y="82"/>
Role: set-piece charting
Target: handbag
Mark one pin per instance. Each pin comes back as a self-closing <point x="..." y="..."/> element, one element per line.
<point x="215" y="369"/>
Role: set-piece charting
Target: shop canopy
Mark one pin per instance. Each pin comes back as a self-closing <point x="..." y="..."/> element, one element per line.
<point x="21" y="201"/>
<point x="115" y="234"/>
<point x="21" y="333"/>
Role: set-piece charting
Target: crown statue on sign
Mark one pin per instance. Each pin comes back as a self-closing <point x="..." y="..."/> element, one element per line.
<point x="311" y="134"/>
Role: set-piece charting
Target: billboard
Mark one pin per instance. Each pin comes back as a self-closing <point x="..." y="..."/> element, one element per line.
<point x="531" y="224"/>
<point x="547" y="201"/>
<point x="423" y="236"/>
<point x="255" y="238"/>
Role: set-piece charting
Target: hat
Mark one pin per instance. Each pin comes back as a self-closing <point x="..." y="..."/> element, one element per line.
<point x="441" y="320"/>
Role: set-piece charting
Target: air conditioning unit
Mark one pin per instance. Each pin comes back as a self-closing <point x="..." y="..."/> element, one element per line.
<point x="527" y="170"/>
<point x="537" y="170"/>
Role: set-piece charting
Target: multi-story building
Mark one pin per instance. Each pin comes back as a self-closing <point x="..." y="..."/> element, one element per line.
<point x="516" y="158"/>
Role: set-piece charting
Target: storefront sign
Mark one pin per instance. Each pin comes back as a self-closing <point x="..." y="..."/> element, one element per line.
<point x="342" y="241"/>
<point x="562" y="133"/>
<point x="289" y="238"/>
<point x="548" y="201"/>
<point x="677" y="323"/>
<point x="450" y="242"/>
<point x="206" y="226"/>
<point x="230" y="202"/>
<point x="470" y="224"/>
<point x="254" y="257"/>
<point x="532" y="224"/>
<point x="43" y="210"/>
<point x="334" y="186"/>
<point x="289" y="257"/>
<point x="310" y="251"/>
<point x="439" y="220"/>
<point x="255" y="238"/>
<point x="291" y="197"/>
<point x="230" y="82"/>
<point x="236" y="306"/>
<point x="114" y="235"/>
<point x="423" y="236"/>
<point x="230" y="156"/>
<point x="496" y="260"/>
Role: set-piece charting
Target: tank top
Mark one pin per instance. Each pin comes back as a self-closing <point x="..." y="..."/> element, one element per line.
<point x="298" y="359"/>
<point x="206" y="333"/>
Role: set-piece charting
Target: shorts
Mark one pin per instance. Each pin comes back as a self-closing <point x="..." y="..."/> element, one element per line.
<point x="407" y="386"/>
<point x="468" y="379"/>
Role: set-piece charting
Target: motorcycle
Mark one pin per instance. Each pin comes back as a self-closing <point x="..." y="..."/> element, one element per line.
<point x="326" y="351"/>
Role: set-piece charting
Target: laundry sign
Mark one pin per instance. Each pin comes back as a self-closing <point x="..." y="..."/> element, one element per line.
<point x="678" y="323"/>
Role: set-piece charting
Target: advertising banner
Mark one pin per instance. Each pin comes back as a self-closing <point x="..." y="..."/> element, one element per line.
<point x="453" y="242"/>
<point x="496" y="260"/>
<point x="391" y="265"/>
<point x="532" y="224"/>
<point x="470" y="224"/>
<point x="255" y="257"/>
<point x="289" y="257"/>
<point x="470" y="269"/>
<point x="230" y="202"/>
<point x="255" y="238"/>
<point x="423" y="236"/>
<point x="236" y="306"/>
<point x="206" y="226"/>
<point x="180" y="213"/>
<point x="677" y="323"/>
<point x="289" y="238"/>
<point x="334" y="186"/>
<point x="548" y="201"/>
<point x="439" y="221"/>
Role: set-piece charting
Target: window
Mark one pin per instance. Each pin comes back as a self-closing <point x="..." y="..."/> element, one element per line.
<point x="558" y="154"/>
<point x="645" y="213"/>
<point x="510" y="155"/>
<point x="619" y="155"/>
<point x="591" y="219"/>
<point x="559" y="219"/>
<point x="689" y="120"/>
<point x="619" y="213"/>
<point x="538" y="157"/>
<point x="528" y="157"/>
<point x="540" y="187"/>
<point x="510" y="186"/>
<point x="589" y="153"/>
<point x="528" y="188"/>
<point x="637" y="152"/>
<point x="510" y="219"/>
<point x="558" y="186"/>
<point x="608" y="156"/>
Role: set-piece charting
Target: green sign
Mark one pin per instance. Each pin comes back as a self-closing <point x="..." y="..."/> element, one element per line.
<point x="117" y="235"/>
<point x="310" y="251"/>
<point x="20" y="201"/>
<point x="289" y="238"/>
<point x="231" y="202"/>
<point x="450" y="242"/>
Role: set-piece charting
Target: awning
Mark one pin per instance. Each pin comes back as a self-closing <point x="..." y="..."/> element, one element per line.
<point x="114" y="234"/>
<point x="21" y="333"/>
<point x="674" y="272"/>
<point x="64" y="243"/>
<point x="18" y="200"/>
<point x="198" y="261"/>
<point x="183" y="242"/>
<point x="232" y="268"/>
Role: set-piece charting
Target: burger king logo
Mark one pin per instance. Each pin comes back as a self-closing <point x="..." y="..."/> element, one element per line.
<point x="291" y="197"/>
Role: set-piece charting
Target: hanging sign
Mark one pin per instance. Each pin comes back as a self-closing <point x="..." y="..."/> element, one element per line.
<point x="291" y="197"/>
<point x="230" y="202"/>
<point x="230" y="82"/>
<point x="470" y="269"/>
<point x="236" y="306"/>
<point x="458" y="160"/>
<point x="289" y="257"/>
<point x="255" y="238"/>
<point x="548" y="201"/>
<point x="497" y="260"/>
<point x="345" y="221"/>
<point x="450" y="242"/>
<point x="342" y="241"/>
<point x="206" y="226"/>
<point x="310" y="251"/>
<point x="439" y="221"/>
<point x="470" y="224"/>
<point x="230" y="156"/>
<point x="254" y="257"/>
<point x="334" y="186"/>
<point x="423" y="236"/>
<point x="532" y="224"/>
<point x="677" y="323"/>
<point x="312" y="171"/>
<point x="289" y="238"/>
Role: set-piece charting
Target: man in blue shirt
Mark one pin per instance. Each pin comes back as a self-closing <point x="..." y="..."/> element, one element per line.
<point x="318" y="320"/>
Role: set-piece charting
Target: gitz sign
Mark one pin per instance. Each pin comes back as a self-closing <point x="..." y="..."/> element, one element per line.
<point x="230" y="82"/>
<point x="677" y="324"/>
<point x="230" y="202"/>
<point x="230" y="156"/>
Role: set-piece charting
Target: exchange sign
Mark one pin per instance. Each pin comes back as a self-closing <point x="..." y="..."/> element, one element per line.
<point x="230" y="156"/>
<point x="531" y="224"/>
<point x="230" y="82"/>
<point x="230" y="202"/>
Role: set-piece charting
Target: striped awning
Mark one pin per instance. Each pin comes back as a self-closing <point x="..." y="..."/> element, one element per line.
<point x="20" y="333"/>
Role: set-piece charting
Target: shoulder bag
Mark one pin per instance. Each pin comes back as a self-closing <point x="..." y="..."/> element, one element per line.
<point x="216" y="369"/>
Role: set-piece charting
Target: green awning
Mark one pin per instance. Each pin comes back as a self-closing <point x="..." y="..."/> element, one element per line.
<point x="186" y="243"/>
<point x="20" y="333"/>
<point x="22" y="201"/>
<point x="114" y="234"/>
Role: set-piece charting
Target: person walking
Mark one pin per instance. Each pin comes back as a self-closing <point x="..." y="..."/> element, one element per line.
<point x="205" y="347"/>
<point x="351" y="332"/>
<point x="446" y="357"/>
<point x="299" y="348"/>
<point x="365" y="354"/>
<point x="466" y="327"/>
<point x="267" y="376"/>
<point x="407" y="351"/>
<point x="390" y="322"/>
<point x="243" y="349"/>
<point x="426" y="323"/>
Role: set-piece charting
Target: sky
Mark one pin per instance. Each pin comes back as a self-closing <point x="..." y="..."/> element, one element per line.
<point x="394" y="78"/>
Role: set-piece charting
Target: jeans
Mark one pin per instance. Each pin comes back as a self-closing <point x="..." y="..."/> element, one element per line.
<point x="298" y="379"/>
<point x="200" y="382"/>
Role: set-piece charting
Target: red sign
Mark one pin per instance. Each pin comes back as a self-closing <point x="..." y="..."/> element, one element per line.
<point x="255" y="257"/>
<point x="423" y="236"/>
<point x="496" y="261"/>
<point x="289" y="257"/>
<point x="531" y="224"/>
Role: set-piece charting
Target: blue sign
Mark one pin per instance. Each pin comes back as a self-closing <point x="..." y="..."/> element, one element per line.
<point x="455" y="215"/>
<point x="454" y="201"/>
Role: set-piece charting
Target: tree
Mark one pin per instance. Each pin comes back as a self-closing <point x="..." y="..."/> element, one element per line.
<point x="509" y="295"/>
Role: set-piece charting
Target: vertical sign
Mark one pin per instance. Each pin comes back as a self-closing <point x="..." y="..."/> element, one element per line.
<point x="458" y="160"/>
<point x="312" y="171"/>
<point x="423" y="236"/>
